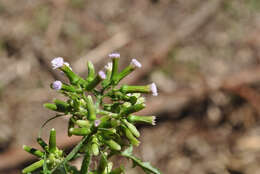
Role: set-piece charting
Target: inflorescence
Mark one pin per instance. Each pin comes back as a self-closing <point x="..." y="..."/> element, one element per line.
<point x="102" y="114"/>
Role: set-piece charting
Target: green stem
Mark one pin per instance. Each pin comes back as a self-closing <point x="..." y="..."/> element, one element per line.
<point x="85" y="163"/>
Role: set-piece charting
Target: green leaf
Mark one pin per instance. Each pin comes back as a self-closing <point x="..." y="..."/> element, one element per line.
<point x="146" y="166"/>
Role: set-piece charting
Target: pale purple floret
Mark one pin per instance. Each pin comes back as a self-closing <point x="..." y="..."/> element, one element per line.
<point x="153" y="89"/>
<point x="96" y="123"/>
<point x="114" y="55"/>
<point x="68" y="65"/>
<point x="136" y="63"/>
<point x="57" y="62"/>
<point x="102" y="75"/>
<point x="56" y="85"/>
<point x="109" y="66"/>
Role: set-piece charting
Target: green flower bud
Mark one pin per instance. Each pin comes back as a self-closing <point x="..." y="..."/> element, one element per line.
<point x="108" y="130"/>
<point x="127" y="104"/>
<point x="113" y="145"/>
<point x="33" y="151"/>
<point x="33" y="166"/>
<point x="104" y="121"/>
<point x="132" y="109"/>
<point x="119" y="170"/>
<point x="79" y="131"/>
<point x="140" y="100"/>
<point x="108" y="168"/>
<point x="60" y="153"/>
<point x="131" y="127"/>
<point x="94" y="149"/>
<point x="131" y="137"/>
<point x="43" y="144"/>
<point x="91" y="109"/>
<point x="135" y="89"/>
<point x="83" y="123"/>
<point x="61" y="105"/>
<point x="91" y="71"/>
<point x="50" y="106"/>
<point x="73" y="78"/>
<point x="142" y="119"/>
<point x="115" y="60"/>
<point x="99" y="77"/>
<point x="51" y="157"/>
<point x="69" y="88"/>
<point x="52" y="141"/>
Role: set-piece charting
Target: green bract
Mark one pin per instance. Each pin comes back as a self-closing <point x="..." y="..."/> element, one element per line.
<point x="99" y="110"/>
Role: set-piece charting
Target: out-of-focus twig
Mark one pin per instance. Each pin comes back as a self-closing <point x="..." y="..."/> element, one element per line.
<point x="17" y="69"/>
<point x="190" y="25"/>
<point x="57" y="19"/>
<point x="240" y="78"/>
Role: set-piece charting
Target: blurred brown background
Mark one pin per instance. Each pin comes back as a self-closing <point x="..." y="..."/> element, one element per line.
<point x="203" y="55"/>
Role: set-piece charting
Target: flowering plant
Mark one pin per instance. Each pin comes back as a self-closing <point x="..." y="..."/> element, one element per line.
<point x="102" y="114"/>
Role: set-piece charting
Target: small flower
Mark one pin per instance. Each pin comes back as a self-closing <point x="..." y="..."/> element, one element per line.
<point x="153" y="89"/>
<point x="96" y="123"/>
<point x="109" y="66"/>
<point x="135" y="63"/>
<point x="68" y="65"/>
<point x="114" y="55"/>
<point x="57" y="62"/>
<point x="56" y="85"/>
<point x="102" y="75"/>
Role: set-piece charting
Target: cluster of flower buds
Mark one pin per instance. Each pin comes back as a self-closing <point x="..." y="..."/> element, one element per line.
<point x="51" y="156"/>
<point x="99" y="111"/>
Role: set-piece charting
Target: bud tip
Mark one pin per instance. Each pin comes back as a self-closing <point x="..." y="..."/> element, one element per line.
<point x="114" y="55"/>
<point x="136" y="63"/>
<point x="153" y="89"/>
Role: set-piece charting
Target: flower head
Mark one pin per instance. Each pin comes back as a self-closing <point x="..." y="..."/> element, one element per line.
<point x="135" y="63"/>
<point x="56" y="85"/>
<point x="96" y="123"/>
<point x="102" y="75"/>
<point x="109" y="66"/>
<point x="114" y="55"/>
<point x="57" y="62"/>
<point x="153" y="89"/>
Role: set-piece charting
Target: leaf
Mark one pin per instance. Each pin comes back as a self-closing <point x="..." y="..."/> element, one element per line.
<point x="146" y="166"/>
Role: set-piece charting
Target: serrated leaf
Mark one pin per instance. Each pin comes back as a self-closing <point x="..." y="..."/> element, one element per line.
<point x="146" y="166"/>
